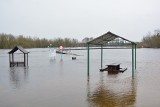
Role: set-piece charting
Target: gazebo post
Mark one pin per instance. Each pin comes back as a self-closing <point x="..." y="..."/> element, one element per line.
<point x="27" y="59"/>
<point x="10" y="60"/>
<point x="88" y="59"/>
<point x="24" y="59"/>
<point x="132" y="60"/>
<point x="101" y="56"/>
<point x="135" y="56"/>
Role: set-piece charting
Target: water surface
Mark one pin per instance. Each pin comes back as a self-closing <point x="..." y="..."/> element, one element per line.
<point x="60" y="82"/>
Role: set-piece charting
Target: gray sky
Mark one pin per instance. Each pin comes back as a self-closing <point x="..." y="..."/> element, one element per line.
<point x="131" y="19"/>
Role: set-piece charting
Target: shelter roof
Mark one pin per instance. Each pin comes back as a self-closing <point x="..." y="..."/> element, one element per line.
<point x="18" y="48"/>
<point x="105" y="38"/>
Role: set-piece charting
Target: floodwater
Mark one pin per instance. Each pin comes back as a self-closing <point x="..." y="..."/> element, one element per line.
<point x="63" y="82"/>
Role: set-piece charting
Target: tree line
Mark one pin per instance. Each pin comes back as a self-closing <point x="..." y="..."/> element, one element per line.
<point x="9" y="41"/>
<point x="151" y="40"/>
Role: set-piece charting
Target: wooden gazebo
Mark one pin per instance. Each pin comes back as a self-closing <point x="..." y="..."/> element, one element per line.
<point x="19" y="59"/>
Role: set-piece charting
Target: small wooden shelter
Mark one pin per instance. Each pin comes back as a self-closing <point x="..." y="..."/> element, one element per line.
<point x="18" y="58"/>
<point x="111" y="39"/>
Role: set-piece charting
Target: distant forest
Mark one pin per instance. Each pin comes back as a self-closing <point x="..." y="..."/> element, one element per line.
<point x="151" y="40"/>
<point x="8" y="41"/>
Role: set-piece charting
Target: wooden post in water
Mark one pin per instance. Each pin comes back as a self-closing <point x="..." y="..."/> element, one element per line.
<point x="24" y="59"/>
<point x="27" y="59"/>
<point x="12" y="57"/>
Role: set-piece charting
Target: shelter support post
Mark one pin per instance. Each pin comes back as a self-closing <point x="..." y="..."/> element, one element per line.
<point x="24" y="59"/>
<point x="101" y="56"/>
<point x="135" y="56"/>
<point x="132" y="59"/>
<point x="27" y="59"/>
<point x="12" y="57"/>
<point x="88" y="59"/>
<point x="10" y="60"/>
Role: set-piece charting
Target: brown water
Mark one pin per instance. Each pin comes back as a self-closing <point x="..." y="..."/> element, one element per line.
<point x="64" y="82"/>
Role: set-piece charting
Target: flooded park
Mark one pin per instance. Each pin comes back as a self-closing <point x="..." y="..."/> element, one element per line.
<point x="63" y="82"/>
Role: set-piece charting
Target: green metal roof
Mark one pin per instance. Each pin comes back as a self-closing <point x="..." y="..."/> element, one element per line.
<point x="106" y="38"/>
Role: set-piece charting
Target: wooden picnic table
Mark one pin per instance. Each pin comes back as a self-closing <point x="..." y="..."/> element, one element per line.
<point x="113" y="67"/>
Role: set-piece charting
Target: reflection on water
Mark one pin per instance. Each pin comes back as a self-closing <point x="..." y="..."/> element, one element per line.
<point x="112" y="92"/>
<point x="18" y="76"/>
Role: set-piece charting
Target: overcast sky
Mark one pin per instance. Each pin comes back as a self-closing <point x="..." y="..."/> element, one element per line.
<point x="131" y="19"/>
